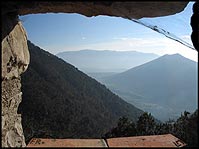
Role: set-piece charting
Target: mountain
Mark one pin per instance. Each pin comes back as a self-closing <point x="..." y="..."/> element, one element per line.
<point x="105" y="61"/>
<point x="59" y="101"/>
<point x="165" y="86"/>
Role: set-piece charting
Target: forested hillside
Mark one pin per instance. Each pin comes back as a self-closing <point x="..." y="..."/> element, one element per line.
<point x="59" y="101"/>
<point x="185" y="127"/>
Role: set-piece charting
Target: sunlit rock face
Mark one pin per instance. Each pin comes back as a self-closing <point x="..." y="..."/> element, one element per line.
<point x="15" y="60"/>
<point x="15" y="55"/>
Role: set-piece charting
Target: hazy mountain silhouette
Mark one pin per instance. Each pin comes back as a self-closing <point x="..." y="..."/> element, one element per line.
<point x="165" y="86"/>
<point x="59" y="101"/>
<point x="105" y="61"/>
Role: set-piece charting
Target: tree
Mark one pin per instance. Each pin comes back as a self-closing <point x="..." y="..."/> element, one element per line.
<point x="185" y="128"/>
<point x="180" y="126"/>
<point x="124" y="128"/>
<point x="146" y="124"/>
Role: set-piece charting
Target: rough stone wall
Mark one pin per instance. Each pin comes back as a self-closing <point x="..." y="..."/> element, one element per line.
<point x="15" y="60"/>
<point x="12" y="132"/>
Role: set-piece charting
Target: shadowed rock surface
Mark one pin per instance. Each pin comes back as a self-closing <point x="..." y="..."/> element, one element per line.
<point x="128" y="9"/>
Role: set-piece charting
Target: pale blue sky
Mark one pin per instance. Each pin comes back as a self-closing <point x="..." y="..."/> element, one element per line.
<point x="58" y="32"/>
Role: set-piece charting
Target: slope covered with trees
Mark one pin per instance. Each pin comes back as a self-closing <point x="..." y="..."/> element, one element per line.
<point x="185" y="127"/>
<point x="59" y="101"/>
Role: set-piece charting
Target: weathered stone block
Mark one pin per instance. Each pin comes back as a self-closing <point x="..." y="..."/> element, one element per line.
<point x="15" y="54"/>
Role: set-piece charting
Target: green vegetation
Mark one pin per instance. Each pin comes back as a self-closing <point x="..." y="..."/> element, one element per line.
<point x="185" y="127"/>
<point x="59" y="101"/>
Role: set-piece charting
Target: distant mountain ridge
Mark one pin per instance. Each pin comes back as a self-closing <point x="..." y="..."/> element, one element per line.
<point x="165" y="86"/>
<point x="59" y="101"/>
<point x="91" y="61"/>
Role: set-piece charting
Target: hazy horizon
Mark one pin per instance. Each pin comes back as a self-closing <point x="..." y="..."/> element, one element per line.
<point x="105" y="50"/>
